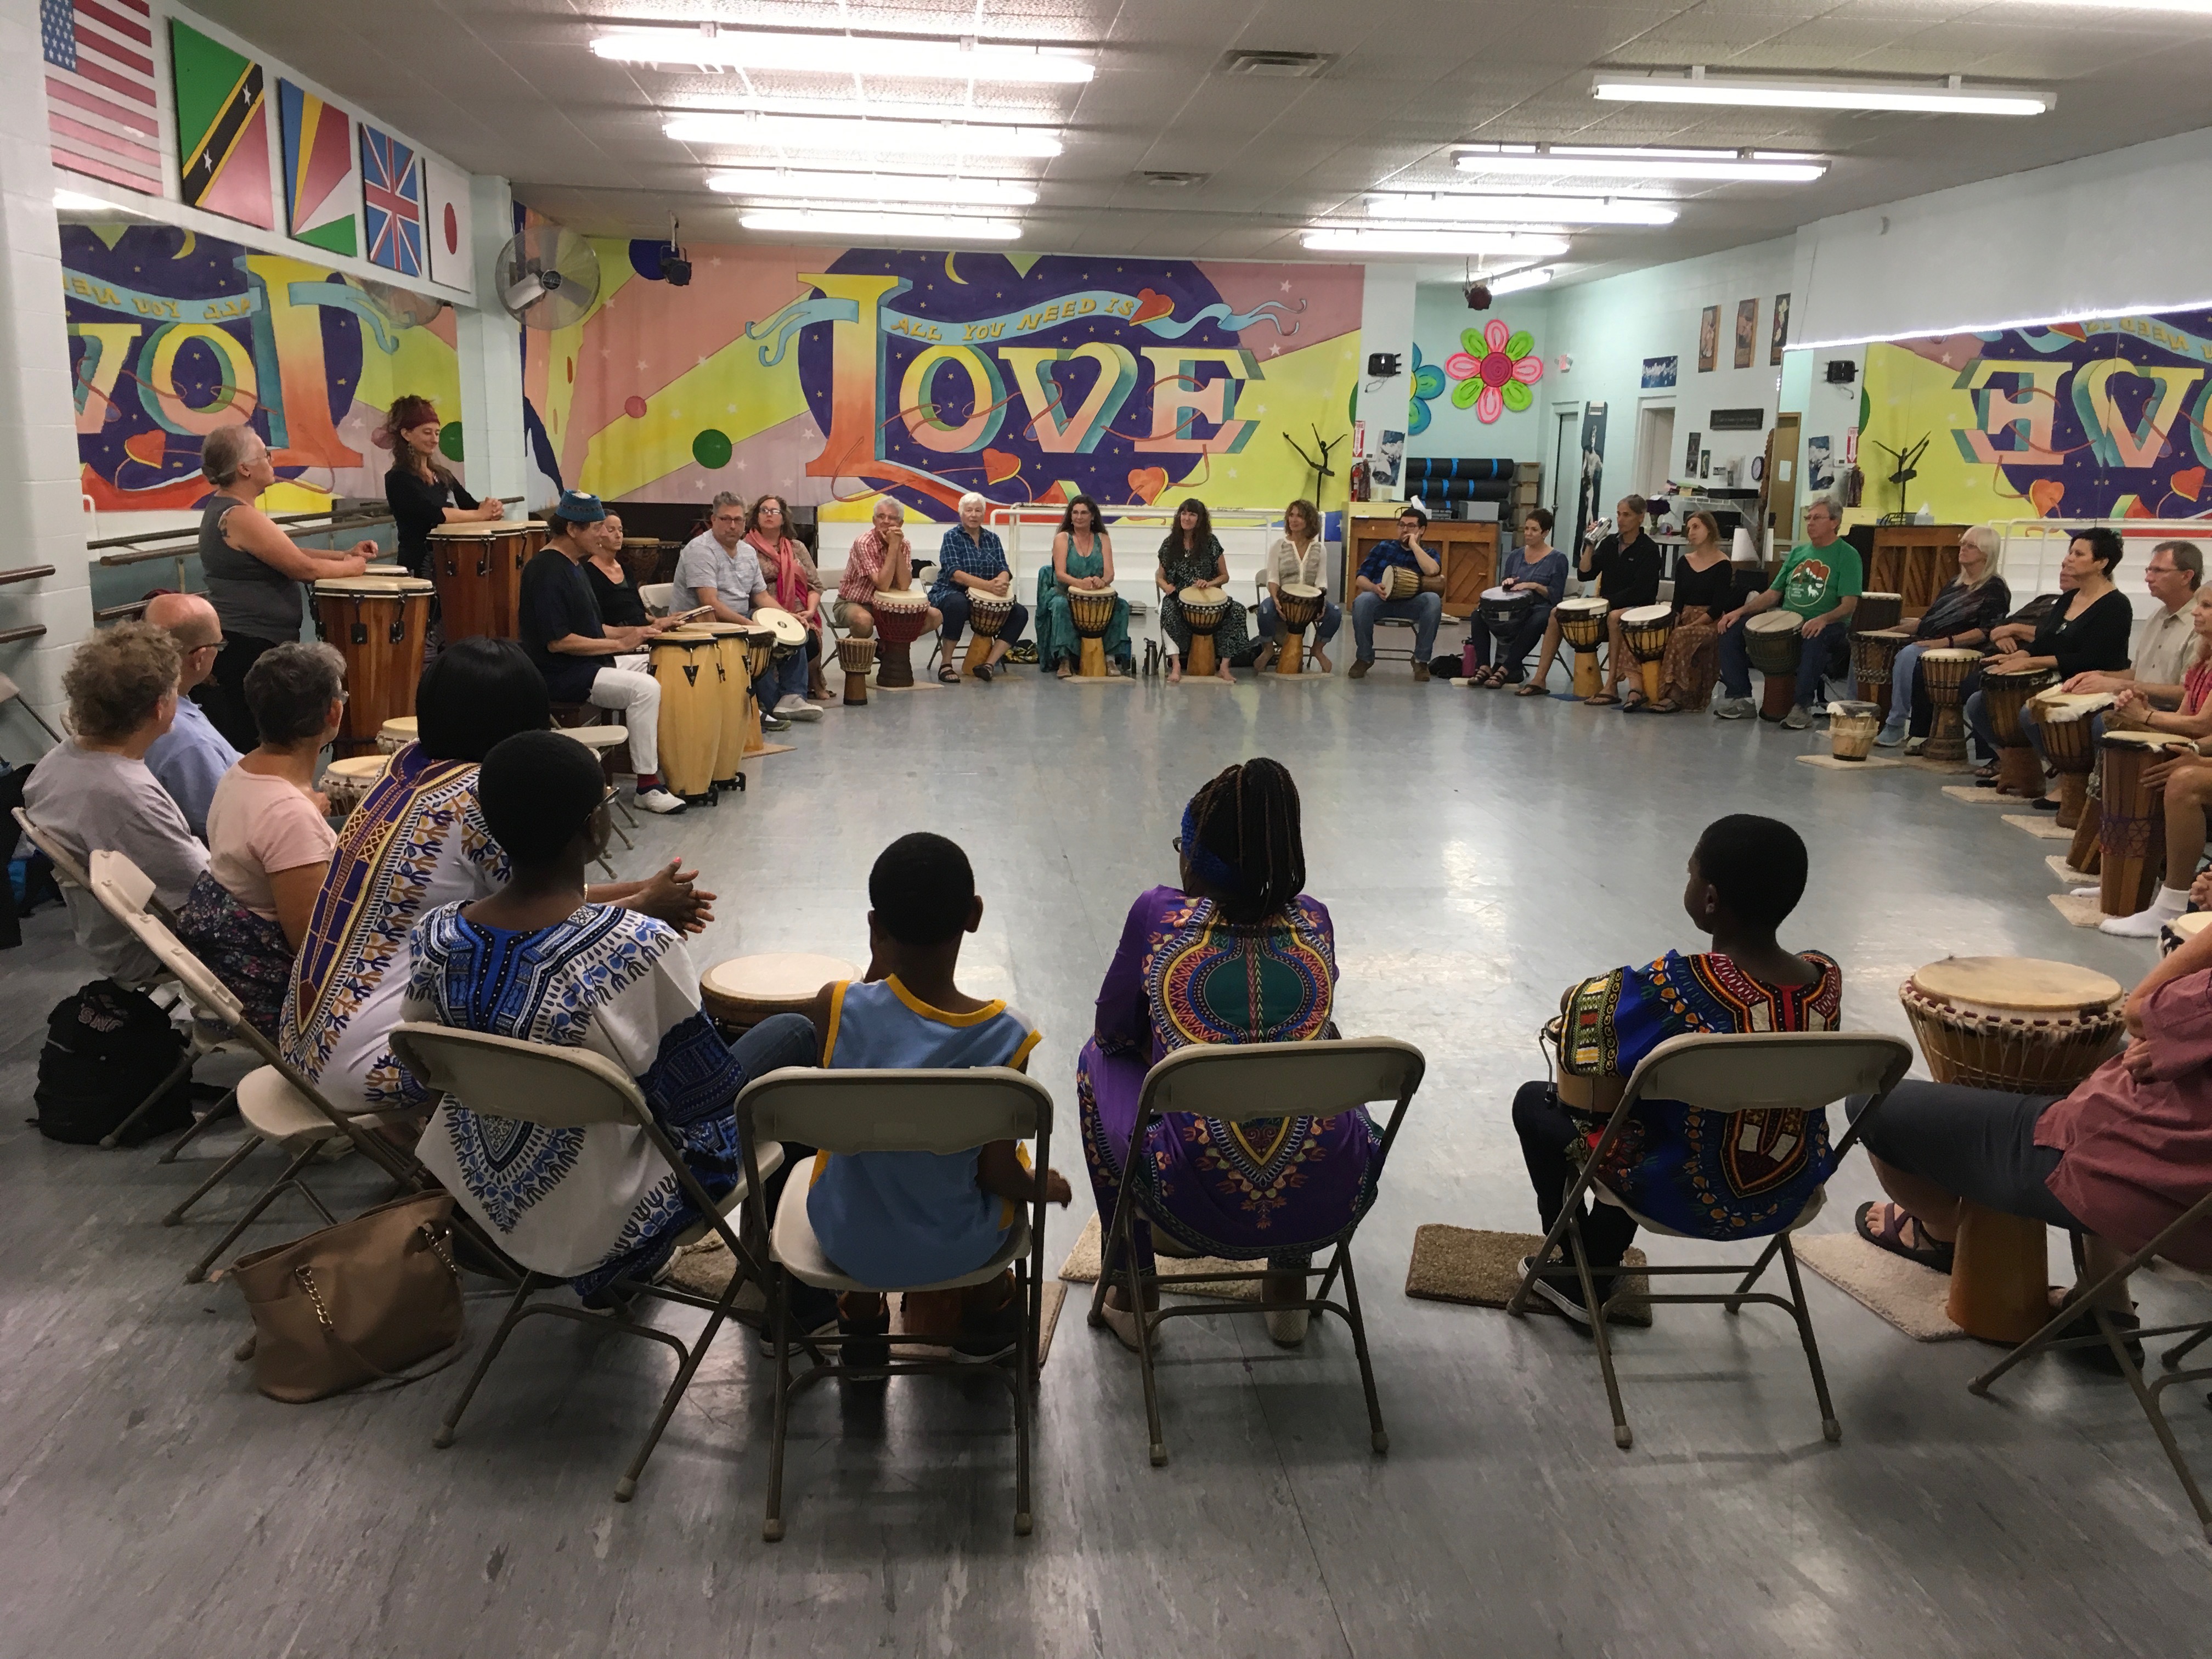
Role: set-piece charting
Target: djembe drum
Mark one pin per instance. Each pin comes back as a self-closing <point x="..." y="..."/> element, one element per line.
<point x="856" y="657"/>
<point x="1775" y="642"/>
<point x="395" y="735"/>
<point x="347" y="781"/>
<point x="1399" y="581"/>
<point x="900" y="614"/>
<point x="1301" y="607"/>
<point x="1202" y="608"/>
<point x="478" y="568"/>
<point x="1945" y="672"/>
<point x="2131" y="825"/>
<point x="1644" y="631"/>
<point x="1877" y="613"/>
<point x="987" y="616"/>
<point x="2172" y="935"/>
<point x="1874" y="661"/>
<point x="1092" y="610"/>
<point x="1582" y="625"/>
<point x="733" y="679"/>
<point x="2026" y="1027"/>
<point x="690" y="730"/>
<point x="377" y="624"/>
<point x="2070" y="746"/>
<point x="1852" y="727"/>
<point x="740" y="993"/>
<point x="2005" y="695"/>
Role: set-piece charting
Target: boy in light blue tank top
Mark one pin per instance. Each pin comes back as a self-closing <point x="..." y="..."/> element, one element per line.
<point x="902" y="1217"/>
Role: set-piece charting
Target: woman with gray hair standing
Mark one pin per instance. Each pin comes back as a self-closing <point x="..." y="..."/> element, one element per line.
<point x="254" y="570"/>
<point x="1960" y="617"/>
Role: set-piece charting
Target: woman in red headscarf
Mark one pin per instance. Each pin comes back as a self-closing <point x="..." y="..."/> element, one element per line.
<point x="420" y="490"/>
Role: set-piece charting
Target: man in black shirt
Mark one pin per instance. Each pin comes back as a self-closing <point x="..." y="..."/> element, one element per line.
<point x="1626" y="567"/>
<point x="581" y="658"/>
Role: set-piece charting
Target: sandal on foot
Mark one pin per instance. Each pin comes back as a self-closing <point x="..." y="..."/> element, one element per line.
<point x="984" y="672"/>
<point x="1665" y="705"/>
<point x="1890" y="1235"/>
<point x="2100" y="1358"/>
<point x="1603" y="699"/>
<point x="1533" y="688"/>
<point x="948" y="675"/>
<point x="1633" y="701"/>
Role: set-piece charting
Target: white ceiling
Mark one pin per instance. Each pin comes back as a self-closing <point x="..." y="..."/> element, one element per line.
<point x="509" y="87"/>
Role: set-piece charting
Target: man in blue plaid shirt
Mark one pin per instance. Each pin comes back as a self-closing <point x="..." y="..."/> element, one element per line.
<point x="970" y="560"/>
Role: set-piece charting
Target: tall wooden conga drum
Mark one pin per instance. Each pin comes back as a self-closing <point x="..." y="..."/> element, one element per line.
<point x="478" y="568"/>
<point x="1645" y="630"/>
<point x="900" y="614"/>
<point x="1203" y="607"/>
<point x="734" y="683"/>
<point x="1874" y="662"/>
<point x="1091" y="611"/>
<point x="377" y="624"/>
<point x="2005" y="694"/>
<point x="1775" y="642"/>
<point x="2131" y="832"/>
<point x="2066" y="720"/>
<point x="1945" y="674"/>
<point x="987" y="615"/>
<point x="1582" y="627"/>
<point x="683" y="660"/>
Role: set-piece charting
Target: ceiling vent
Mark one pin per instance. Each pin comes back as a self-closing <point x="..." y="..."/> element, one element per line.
<point x="1275" y="65"/>
<point x="1172" y="180"/>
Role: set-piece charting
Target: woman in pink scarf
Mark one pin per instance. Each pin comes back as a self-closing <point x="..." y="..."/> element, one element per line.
<point x="791" y="576"/>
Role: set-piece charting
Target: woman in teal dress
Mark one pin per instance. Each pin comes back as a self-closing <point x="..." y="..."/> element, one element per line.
<point x="1082" y="558"/>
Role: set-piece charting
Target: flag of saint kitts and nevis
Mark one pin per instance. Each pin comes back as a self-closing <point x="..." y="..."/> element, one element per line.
<point x="222" y="128"/>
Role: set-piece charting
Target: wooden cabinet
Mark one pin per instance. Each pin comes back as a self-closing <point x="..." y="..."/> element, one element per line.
<point x="1467" y="550"/>
<point x="1917" y="560"/>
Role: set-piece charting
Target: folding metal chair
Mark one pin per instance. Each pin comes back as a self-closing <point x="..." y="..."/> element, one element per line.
<point x="1765" y="1072"/>
<point x="2147" y="1396"/>
<point x="276" y="1100"/>
<point x="562" y="1087"/>
<point x="856" y="1111"/>
<point x="1236" y="1084"/>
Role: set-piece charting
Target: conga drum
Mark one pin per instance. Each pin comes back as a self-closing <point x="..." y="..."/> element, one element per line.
<point x="733" y="682"/>
<point x="1945" y="673"/>
<point x="478" y="568"/>
<point x="1399" y="581"/>
<point x="1645" y="630"/>
<point x="683" y="660"/>
<point x="1775" y="642"/>
<point x="1092" y="610"/>
<point x="760" y="652"/>
<point x="987" y="615"/>
<point x="2005" y="695"/>
<point x="2132" y="830"/>
<point x="1877" y="613"/>
<point x="395" y="735"/>
<point x="900" y="614"/>
<point x="1874" y="661"/>
<point x="2182" y="929"/>
<point x="377" y="624"/>
<point x="347" y="781"/>
<point x="2069" y="744"/>
<point x="740" y="993"/>
<point x="1582" y="625"/>
<point x="856" y="657"/>
<point x="1852" y="727"/>
<point x="1202" y="608"/>
<point x="2026" y="1027"/>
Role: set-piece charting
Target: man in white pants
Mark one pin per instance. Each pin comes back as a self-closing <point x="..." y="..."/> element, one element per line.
<point x="581" y="658"/>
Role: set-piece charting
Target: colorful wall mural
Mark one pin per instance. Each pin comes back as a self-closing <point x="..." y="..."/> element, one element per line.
<point x="172" y="334"/>
<point x="2105" y="419"/>
<point x="833" y="377"/>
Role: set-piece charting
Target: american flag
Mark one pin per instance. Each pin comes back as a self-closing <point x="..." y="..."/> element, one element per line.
<point x="100" y="106"/>
<point x="392" y="196"/>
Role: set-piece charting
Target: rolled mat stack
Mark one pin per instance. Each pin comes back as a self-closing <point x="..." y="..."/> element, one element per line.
<point x="1439" y="479"/>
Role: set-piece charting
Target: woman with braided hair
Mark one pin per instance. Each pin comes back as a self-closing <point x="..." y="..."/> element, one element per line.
<point x="1235" y="952"/>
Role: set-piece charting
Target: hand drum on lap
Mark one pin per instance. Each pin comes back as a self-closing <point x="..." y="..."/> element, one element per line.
<point x="2182" y="929"/>
<point x="1302" y="606"/>
<point x="741" y="991"/>
<point x="2013" y="1023"/>
<point x="395" y="735"/>
<point x="1400" y="581"/>
<point x="347" y="781"/>
<point x="987" y="617"/>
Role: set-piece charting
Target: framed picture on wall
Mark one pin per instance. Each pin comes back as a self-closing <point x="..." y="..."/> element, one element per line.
<point x="1658" y="373"/>
<point x="1709" y="340"/>
<point x="1781" y="334"/>
<point x="1690" y="456"/>
<point x="1747" y="332"/>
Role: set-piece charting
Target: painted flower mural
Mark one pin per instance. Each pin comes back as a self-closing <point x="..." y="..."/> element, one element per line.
<point x="1428" y="387"/>
<point x="1496" y="370"/>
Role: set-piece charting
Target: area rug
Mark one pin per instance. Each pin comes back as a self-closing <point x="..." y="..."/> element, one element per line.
<point x="1081" y="1267"/>
<point x="1482" y="1269"/>
<point x="2080" y="912"/>
<point x="1975" y="795"/>
<point x="2067" y="872"/>
<point x="2038" y="824"/>
<point x="1921" y="762"/>
<point x="1912" y="1298"/>
<point x="1830" y="764"/>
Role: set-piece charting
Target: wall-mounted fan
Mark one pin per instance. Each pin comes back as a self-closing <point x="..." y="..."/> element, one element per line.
<point x="548" y="277"/>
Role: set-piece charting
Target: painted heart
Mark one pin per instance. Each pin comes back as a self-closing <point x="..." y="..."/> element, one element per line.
<point x="2187" y="483"/>
<point x="1150" y="305"/>
<point x="151" y="447"/>
<point x="1146" y="484"/>
<point x="2046" y="494"/>
<point x="998" y="467"/>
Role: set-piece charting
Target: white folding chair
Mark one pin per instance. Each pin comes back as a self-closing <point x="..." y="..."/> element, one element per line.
<point x="1763" y="1071"/>
<point x="562" y="1087"/>
<point x="1238" y="1084"/>
<point x="659" y="597"/>
<point x="858" y="1111"/>
<point x="11" y="692"/>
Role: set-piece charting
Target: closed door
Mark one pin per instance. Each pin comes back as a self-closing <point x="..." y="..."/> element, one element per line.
<point x="1566" y="473"/>
<point x="1654" y="447"/>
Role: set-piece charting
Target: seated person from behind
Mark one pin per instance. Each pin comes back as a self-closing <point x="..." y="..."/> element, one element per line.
<point x="2118" y="1160"/>
<point x="1819" y="581"/>
<point x="269" y="841"/>
<point x="1424" y="609"/>
<point x="2185" y="781"/>
<point x="539" y="962"/>
<point x="93" y="793"/>
<point x="916" y="1218"/>
<point x="1707" y="1177"/>
<point x="1625" y="568"/>
<point x="880" y="557"/>
<point x="583" y="660"/>
<point x="191" y="757"/>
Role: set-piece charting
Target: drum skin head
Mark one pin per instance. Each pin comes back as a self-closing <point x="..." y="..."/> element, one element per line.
<point x="788" y="976"/>
<point x="1777" y="622"/>
<point x="2026" y="985"/>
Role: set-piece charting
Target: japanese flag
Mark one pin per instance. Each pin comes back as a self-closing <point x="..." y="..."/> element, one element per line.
<point x="452" y="260"/>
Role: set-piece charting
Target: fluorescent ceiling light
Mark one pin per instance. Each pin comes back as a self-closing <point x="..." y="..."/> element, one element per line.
<point x="801" y="183"/>
<point x="1627" y="161"/>
<point x="873" y="107"/>
<point x="1339" y="240"/>
<point x="710" y="47"/>
<point x="70" y="201"/>
<point x="1947" y="97"/>
<point x="1544" y="210"/>
<point x="931" y="227"/>
<point x="1514" y="281"/>
<point x="887" y="138"/>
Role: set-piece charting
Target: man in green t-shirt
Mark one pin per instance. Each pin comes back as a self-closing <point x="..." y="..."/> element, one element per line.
<point x="1818" y="582"/>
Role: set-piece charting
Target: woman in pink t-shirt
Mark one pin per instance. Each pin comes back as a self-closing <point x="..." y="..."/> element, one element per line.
<point x="269" y="841"/>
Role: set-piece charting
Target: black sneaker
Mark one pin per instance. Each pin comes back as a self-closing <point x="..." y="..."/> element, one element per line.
<point x="772" y="721"/>
<point x="813" y="1313"/>
<point x="866" y="1345"/>
<point x="984" y="1336"/>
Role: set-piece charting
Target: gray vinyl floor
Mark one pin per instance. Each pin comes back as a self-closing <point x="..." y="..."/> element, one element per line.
<point x="1478" y="853"/>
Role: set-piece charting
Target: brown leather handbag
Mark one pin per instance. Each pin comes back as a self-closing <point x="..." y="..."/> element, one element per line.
<point x="354" y="1302"/>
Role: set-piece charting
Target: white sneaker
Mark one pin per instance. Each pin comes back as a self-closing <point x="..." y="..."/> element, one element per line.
<point x="796" y="707"/>
<point x="658" y="800"/>
<point x="2097" y="891"/>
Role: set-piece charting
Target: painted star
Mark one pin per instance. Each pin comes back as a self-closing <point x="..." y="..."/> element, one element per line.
<point x="642" y="365"/>
<point x="1287" y="285"/>
<point x="1274" y="349"/>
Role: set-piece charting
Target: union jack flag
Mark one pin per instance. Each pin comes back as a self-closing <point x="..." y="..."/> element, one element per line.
<point x="391" y="196"/>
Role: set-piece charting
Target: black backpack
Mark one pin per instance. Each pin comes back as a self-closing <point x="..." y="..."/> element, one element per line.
<point x="108" y="1047"/>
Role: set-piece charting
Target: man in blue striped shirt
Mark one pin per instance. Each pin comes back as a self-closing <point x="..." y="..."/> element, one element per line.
<point x="970" y="560"/>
